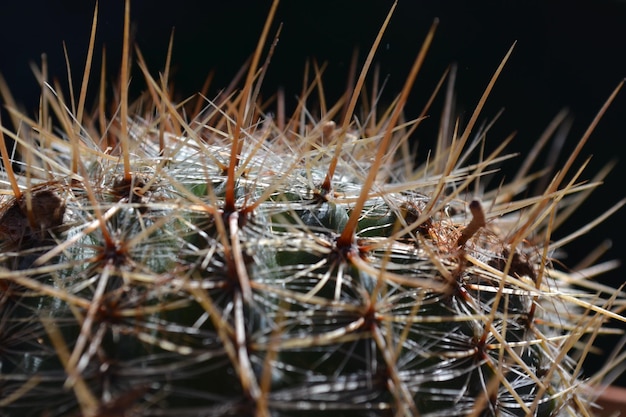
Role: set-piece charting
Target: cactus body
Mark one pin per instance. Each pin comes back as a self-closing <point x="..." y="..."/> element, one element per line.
<point x="213" y="267"/>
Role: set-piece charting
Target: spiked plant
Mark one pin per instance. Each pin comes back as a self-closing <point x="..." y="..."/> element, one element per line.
<point x="155" y="263"/>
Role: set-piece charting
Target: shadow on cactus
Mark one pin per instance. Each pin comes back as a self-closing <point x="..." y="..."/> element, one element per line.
<point x="160" y="262"/>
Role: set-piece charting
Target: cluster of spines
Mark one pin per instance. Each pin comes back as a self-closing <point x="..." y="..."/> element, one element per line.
<point x="219" y="267"/>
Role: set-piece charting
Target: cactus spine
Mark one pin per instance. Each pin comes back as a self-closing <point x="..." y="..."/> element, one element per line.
<point x="159" y="264"/>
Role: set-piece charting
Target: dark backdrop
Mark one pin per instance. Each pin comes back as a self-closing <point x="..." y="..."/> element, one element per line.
<point x="570" y="54"/>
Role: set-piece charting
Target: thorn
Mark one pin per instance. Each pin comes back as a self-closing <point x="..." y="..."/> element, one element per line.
<point x="478" y="221"/>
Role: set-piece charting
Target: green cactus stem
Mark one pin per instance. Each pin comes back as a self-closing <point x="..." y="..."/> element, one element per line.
<point x="155" y="262"/>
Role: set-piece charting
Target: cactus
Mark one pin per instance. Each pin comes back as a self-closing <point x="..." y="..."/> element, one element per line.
<point x="226" y="263"/>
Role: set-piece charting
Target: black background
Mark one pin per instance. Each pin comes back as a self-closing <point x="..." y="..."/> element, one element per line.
<point x="570" y="54"/>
